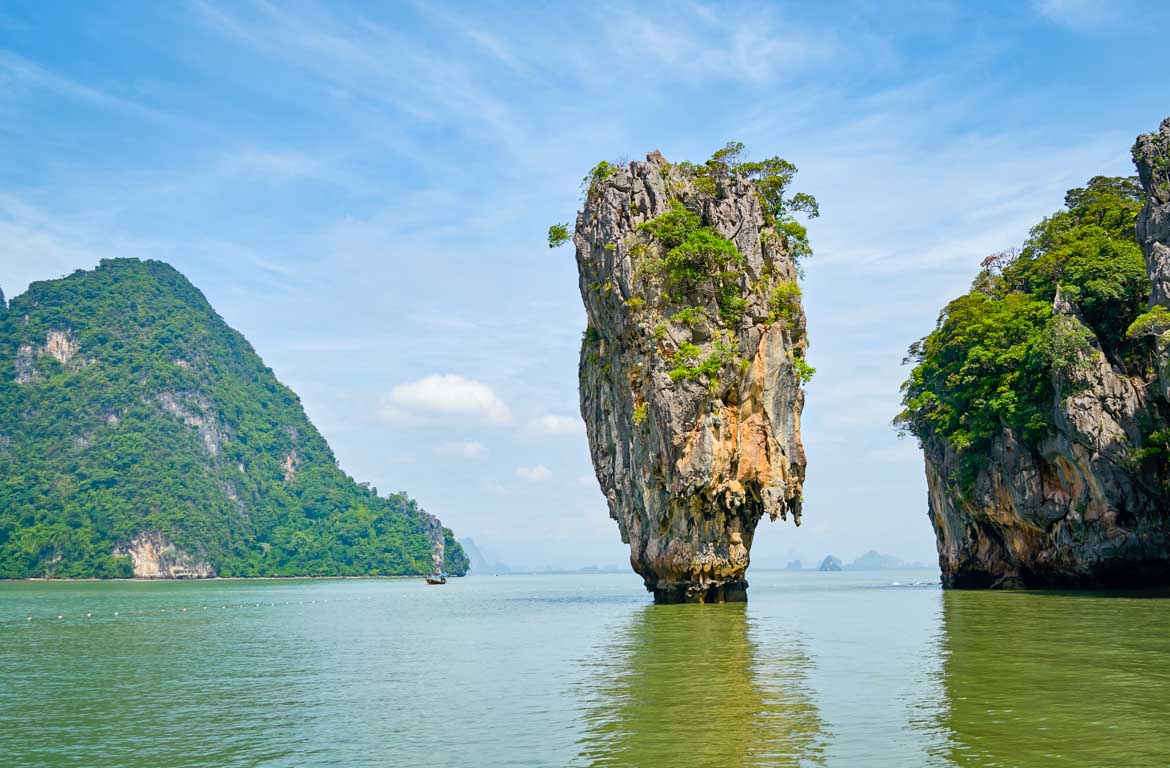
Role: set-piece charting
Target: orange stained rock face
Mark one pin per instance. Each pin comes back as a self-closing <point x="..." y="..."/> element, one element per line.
<point x="753" y="464"/>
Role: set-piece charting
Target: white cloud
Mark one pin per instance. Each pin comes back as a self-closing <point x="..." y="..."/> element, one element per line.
<point x="444" y="397"/>
<point x="551" y="425"/>
<point x="535" y="474"/>
<point x="466" y="449"/>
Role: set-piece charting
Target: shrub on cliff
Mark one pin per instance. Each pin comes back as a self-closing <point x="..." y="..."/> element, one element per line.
<point x="692" y="252"/>
<point x="772" y="178"/>
<point x="558" y="235"/>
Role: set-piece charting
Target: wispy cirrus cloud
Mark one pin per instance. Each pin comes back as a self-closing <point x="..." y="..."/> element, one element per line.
<point x="1081" y="14"/>
<point x="276" y="164"/>
<point x="357" y="55"/>
<point x="20" y="71"/>
<point x="750" y="44"/>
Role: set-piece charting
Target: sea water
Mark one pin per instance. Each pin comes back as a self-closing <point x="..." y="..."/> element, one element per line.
<point x="835" y="669"/>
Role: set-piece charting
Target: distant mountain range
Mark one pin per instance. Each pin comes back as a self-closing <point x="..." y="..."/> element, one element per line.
<point x="485" y="563"/>
<point x="876" y="561"/>
<point x="869" y="561"/>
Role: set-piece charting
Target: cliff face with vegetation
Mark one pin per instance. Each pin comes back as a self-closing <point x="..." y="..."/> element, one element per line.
<point x="140" y="435"/>
<point x="692" y="361"/>
<point x="1040" y="400"/>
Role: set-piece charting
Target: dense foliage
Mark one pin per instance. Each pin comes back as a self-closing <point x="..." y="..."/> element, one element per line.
<point x="695" y="260"/>
<point x="694" y="254"/>
<point x="159" y="417"/>
<point x="999" y="357"/>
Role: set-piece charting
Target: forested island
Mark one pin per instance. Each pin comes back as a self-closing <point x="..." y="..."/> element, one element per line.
<point x="142" y="436"/>
<point x="1042" y="398"/>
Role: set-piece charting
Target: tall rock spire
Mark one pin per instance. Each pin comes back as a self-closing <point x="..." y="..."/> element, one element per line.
<point x="692" y="364"/>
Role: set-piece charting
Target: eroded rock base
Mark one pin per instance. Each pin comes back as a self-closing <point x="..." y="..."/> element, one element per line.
<point x="1110" y="576"/>
<point x="731" y="592"/>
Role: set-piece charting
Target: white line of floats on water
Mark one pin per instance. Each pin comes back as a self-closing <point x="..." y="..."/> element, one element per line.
<point x="153" y="611"/>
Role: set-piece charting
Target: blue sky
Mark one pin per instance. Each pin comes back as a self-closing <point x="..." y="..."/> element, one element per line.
<point x="363" y="190"/>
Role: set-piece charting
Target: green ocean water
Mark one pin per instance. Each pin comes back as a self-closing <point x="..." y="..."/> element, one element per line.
<point x="843" y="669"/>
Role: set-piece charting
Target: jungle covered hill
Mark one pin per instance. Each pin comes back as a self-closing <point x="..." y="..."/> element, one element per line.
<point x="141" y="435"/>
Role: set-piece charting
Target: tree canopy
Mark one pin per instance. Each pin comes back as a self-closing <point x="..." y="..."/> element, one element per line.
<point x="990" y="361"/>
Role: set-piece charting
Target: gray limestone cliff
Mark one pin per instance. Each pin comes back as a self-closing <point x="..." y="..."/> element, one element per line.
<point x="1151" y="155"/>
<point x="1085" y="505"/>
<point x="691" y="368"/>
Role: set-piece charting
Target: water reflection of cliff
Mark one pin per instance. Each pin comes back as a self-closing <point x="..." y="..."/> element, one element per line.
<point x="682" y="685"/>
<point x="1047" y="680"/>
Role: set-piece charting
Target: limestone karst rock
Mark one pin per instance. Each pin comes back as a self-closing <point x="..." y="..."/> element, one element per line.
<point x="691" y="367"/>
<point x="1151" y="155"/>
<point x="1086" y="503"/>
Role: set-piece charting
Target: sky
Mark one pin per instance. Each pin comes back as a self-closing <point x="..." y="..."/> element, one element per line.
<point x="364" y="191"/>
